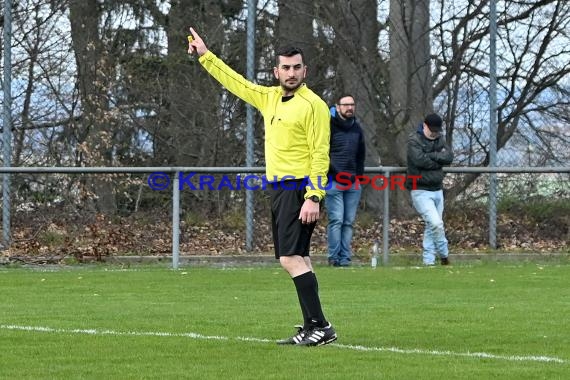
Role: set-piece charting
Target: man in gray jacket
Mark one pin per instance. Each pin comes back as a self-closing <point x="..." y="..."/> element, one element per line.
<point x="427" y="153"/>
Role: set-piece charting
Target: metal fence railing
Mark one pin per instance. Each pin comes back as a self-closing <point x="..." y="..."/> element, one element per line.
<point x="174" y="175"/>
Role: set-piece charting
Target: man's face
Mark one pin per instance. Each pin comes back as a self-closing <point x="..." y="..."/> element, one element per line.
<point x="429" y="134"/>
<point x="346" y="107"/>
<point x="291" y="72"/>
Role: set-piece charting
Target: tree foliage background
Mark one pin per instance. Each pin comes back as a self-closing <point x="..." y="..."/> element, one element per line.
<point x="109" y="83"/>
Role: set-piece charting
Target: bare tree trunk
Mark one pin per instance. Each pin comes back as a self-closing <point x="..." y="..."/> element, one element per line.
<point x="94" y="74"/>
<point x="360" y="71"/>
<point x="410" y="78"/>
<point x="295" y="26"/>
<point x="191" y="129"/>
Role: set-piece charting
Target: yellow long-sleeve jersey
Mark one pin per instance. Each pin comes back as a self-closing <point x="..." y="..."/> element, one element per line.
<point x="297" y="132"/>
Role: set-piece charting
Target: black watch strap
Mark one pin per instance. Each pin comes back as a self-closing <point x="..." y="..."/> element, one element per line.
<point x="315" y="199"/>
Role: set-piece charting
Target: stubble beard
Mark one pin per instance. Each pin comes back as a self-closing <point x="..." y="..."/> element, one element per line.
<point x="291" y="87"/>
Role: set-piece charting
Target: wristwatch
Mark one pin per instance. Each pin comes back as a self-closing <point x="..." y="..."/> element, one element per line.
<point x="315" y="199"/>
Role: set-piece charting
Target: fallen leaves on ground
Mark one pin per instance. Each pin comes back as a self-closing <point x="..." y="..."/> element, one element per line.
<point x="54" y="235"/>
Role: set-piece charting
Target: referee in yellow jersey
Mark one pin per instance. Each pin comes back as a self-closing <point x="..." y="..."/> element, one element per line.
<point x="297" y="138"/>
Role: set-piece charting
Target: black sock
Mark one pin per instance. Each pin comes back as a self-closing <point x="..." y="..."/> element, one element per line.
<point x="316" y="282"/>
<point x="307" y="291"/>
<point x="306" y="318"/>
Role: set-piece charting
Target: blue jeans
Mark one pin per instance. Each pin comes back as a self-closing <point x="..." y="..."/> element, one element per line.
<point x="341" y="208"/>
<point x="429" y="204"/>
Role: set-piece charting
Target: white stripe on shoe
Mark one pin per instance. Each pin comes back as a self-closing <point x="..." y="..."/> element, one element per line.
<point x="316" y="336"/>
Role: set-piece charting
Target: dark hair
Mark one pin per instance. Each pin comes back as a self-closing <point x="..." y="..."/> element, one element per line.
<point x="343" y="95"/>
<point x="288" y="51"/>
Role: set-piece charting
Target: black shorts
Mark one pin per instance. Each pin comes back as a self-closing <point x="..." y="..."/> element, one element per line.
<point x="290" y="236"/>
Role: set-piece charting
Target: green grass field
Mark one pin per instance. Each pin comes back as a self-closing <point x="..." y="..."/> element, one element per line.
<point x="479" y="321"/>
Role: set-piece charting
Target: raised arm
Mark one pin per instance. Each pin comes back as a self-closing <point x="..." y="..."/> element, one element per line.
<point x="197" y="45"/>
<point x="234" y="82"/>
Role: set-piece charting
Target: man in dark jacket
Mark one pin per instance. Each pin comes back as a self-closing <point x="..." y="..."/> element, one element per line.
<point x="347" y="153"/>
<point x="427" y="153"/>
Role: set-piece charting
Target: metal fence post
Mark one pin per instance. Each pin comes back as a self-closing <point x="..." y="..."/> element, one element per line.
<point x="7" y="112"/>
<point x="493" y="124"/>
<point x="386" y="222"/>
<point x="249" y="198"/>
<point x="175" y="220"/>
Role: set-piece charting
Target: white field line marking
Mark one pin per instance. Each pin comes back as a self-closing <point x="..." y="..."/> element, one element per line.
<point x="191" y="335"/>
<point x="483" y="355"/>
